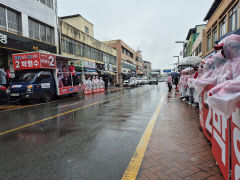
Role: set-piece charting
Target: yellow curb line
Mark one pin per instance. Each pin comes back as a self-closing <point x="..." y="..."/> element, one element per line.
<point x="133" y="167"/>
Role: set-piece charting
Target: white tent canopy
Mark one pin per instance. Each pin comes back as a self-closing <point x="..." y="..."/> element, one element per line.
<point x="191" y="60"/>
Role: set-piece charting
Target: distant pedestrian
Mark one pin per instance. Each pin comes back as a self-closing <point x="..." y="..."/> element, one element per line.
<point x="2" y="76"/>
<point x="8" y="75"/>
<point x="175" y="81"/>
<point x="169" y="82"/>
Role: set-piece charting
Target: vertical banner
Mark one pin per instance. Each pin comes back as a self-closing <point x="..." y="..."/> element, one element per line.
<point x="221" y="142"/>
<point x="207" y="114"/>
<point x="235" y="144"/>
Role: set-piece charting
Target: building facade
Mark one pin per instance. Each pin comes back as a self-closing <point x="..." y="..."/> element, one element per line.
<point x="25" y="26"/>
<point x="147" y="68"/>
<point x="197" y="45"/>
<point x="139" y="64"/>
<point x="94" y="57"/>
<point x="126" y="59"/>
<point x="192" y="35"/>
<point x="222" y="18"/>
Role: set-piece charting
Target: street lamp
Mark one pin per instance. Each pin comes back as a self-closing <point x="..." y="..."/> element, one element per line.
<point x="181" y="42"/>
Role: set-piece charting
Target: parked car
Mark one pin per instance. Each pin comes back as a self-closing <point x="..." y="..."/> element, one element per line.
<point x="125" y="83"/>
<point x="153" y="81"/>
<point x="140" y="81"/>
<point x="145" y="80"/>
<point x="133" y="82"/>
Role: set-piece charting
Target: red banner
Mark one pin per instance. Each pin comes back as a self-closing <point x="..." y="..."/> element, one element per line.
<point x="235" y="144"/>
<point x="221" y="143"/>
<point x="206" y="114"/>
<point x="71" y="89"/>
<point x="34" y="61"/>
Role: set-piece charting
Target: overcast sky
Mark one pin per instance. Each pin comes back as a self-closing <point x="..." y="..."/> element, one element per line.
<point x="151" y="25"/>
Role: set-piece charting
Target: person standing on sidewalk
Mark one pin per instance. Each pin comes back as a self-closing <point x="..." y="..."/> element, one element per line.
<point x="169" y="82"/>
<point x="2" y="76"/>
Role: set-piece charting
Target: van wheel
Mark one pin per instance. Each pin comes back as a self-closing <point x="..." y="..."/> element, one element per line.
<point x="47" y="96"/>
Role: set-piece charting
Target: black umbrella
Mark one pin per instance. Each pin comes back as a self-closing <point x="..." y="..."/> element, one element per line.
<point x="174" y="74"/>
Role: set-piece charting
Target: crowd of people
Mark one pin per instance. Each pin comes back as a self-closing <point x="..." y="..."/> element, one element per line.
<point x="222" y="72"/>
<point x="93" y="83"/>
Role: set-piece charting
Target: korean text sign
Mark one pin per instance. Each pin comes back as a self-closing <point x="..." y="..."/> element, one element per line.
<point x="34" y="61"/>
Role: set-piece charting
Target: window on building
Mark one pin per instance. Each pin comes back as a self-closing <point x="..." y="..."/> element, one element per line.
<point x="48" y="3"/>
<point x="3" y="22"/>
<point x="234" y="18"/>
<point x="223" y="27"/>
<point x="200" y="48"/>
<point x="215" y="36"/>
<point x="10" y="20"/>
<point x="209" y="42"/>
<point x="41" y="32"/>
<point x="86" y="30"/>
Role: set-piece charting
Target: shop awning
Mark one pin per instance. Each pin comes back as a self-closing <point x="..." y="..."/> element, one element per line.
<point x="88" y="71"/>
<point x="110" y="73"/>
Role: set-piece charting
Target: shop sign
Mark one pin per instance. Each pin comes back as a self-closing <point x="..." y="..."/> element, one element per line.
<point x="3" y="38"/>
<point x="108" y="67"/>
<point x="91" y="65"/>
<point x="21" y="43"/>
<point x="79" y="63"/>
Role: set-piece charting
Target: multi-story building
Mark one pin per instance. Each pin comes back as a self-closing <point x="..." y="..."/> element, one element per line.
<point x="147" y="68"/>
<point x="222" y="18"/>
<point x="197" y="45"/>
<point x="126" y="59"/>
<point x="77" y="41"/>
<point x="192" y="35"/>
<point x="139" y="64"/>
<point x="27" y="25"/>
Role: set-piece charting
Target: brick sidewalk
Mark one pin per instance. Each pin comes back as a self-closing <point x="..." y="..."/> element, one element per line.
<point x="177" y="148"/>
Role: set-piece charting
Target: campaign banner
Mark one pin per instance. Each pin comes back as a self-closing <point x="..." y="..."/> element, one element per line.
<point x="207" y="114"/>
<point x="34" y="61"/>
<point x="201" y="113"/>
<point x="47" y="61"/>
<point x="235" y="144"/>
<point x="87" y="92"/>
<point x="221" y="142"/>
<point x="71" y="89"/>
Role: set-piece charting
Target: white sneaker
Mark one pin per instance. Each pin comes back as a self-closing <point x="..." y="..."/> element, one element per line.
<point x="184" y="99"/>
<point x="189" y="103"/>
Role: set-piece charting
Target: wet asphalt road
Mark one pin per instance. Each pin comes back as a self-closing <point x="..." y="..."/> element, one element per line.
<point x="91" y="138"/>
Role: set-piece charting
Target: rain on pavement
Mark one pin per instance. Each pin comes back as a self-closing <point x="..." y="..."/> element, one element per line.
<point x="96" y="141"/>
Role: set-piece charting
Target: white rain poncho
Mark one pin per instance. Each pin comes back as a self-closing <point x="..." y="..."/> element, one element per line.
<point x="201" y="82"/>
<point x="225" y="96"/>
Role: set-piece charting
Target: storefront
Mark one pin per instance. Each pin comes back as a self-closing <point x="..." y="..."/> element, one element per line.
<point x="87" y="68"/>
<point x="11" y="43"/>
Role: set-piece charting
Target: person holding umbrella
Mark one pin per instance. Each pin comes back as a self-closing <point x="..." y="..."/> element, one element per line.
<point x="169" y="82"/>
<point x="175" y="78"/>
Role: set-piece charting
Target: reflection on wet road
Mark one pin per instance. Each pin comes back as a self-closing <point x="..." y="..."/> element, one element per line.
<point x="74" y="138"/>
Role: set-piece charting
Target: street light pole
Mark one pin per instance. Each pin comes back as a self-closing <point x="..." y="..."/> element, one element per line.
<point x="181" y="42"/>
